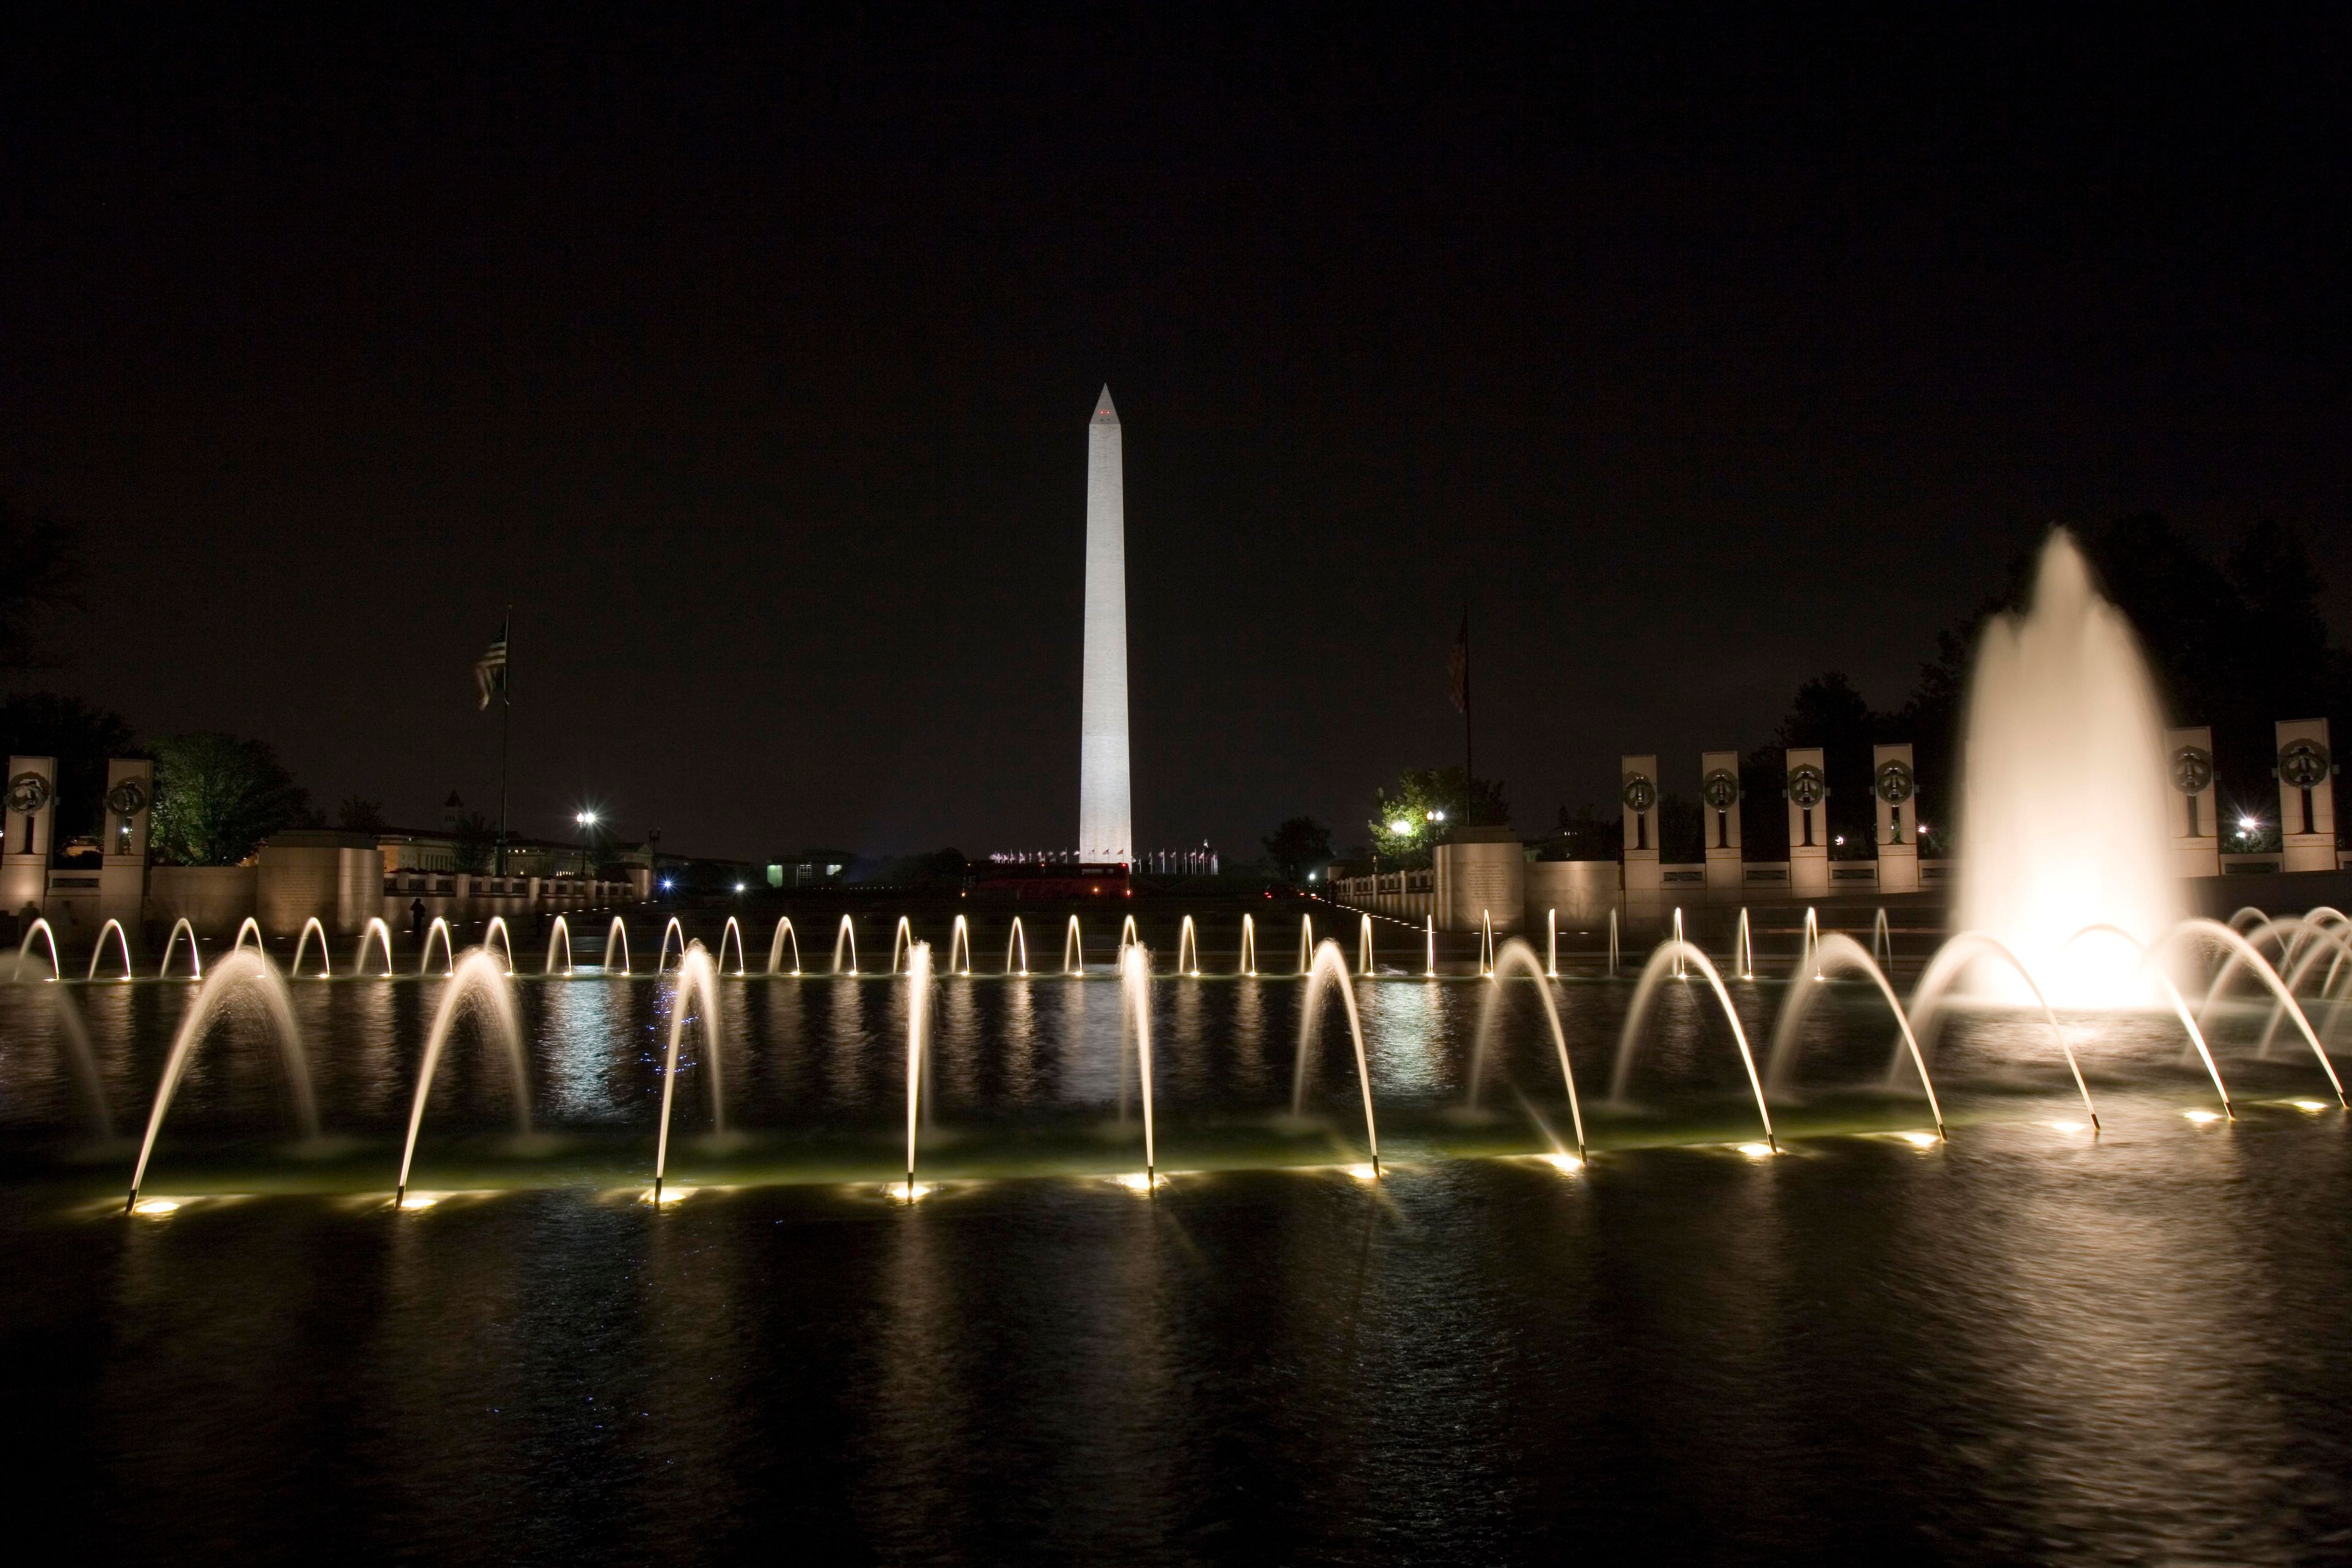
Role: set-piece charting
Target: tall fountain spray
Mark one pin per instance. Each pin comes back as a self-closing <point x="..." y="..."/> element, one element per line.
<point x="1134" y="1015"/>
<point x="918" y="1045"/>
<point x="2063" y="810"/>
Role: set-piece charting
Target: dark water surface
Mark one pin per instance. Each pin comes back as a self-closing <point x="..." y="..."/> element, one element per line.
<point x="2022" y="1343"/>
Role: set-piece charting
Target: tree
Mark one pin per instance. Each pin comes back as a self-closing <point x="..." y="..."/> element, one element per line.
<point x="1299" y="846"/>
<point x="81" y="738"/>
<point x="938" y="868"/>
<point x="358" y="814"/>
<point x="477" y="841"/>
<point x="217" y="797"/>
<point x="1828" y="712"/>
<point x="1587" y="834"/>
<point x="1681" y="829"/>
<point x="43" y="576"/>
<point x="1428" y="803"/>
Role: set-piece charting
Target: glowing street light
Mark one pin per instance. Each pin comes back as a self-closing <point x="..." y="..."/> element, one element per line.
<point x="1400" y="826"/>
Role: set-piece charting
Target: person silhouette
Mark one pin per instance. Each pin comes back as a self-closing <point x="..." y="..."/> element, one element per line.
<point x="416" y="918"/>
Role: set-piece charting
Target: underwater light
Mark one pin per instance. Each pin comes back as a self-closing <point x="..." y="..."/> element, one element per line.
<point x="2308" y="1104"/>
<point x="2201" y="1117"/>
<point x="2067" y="1126"/>
<point x="418" y="1200"/>
<point x="1562" y="1162"/>
<point x="1919" y="1140"/>
<point x="156" y="1207"/>
<point x="1758" y="1151"/>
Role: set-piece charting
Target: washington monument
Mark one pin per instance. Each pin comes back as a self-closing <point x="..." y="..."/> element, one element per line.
<point x="1106" y="822"/>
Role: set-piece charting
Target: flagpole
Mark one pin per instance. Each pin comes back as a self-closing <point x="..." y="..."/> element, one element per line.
<point x="506" y="730"/>
<point x="1469" y="768"/>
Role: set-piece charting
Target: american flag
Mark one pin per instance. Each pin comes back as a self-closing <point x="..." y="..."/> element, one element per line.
<point x="490" y="669"/>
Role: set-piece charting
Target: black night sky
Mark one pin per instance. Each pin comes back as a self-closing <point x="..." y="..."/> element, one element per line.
<point x="753" y="367"/>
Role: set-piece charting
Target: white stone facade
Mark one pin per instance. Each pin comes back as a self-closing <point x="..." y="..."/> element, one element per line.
<point x="1106" y="819"/>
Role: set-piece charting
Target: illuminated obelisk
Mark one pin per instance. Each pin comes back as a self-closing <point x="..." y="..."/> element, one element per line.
<point x="1106" y="824"/>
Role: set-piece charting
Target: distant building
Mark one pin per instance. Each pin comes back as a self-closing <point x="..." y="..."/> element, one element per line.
<point x="447" y="850"/>
<point x="812" y="868"/>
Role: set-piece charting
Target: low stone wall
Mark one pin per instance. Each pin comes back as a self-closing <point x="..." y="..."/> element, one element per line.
<point x="1406" y="896"/>
<point x="461" y="897"/>
<point x="1579" y="893"/>
<point x="330" y="877"/>
<point x="213" y="900"/>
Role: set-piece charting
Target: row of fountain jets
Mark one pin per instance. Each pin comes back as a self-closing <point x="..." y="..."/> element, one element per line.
<point x="377" y="938"/>
<point x="482" y="990"/>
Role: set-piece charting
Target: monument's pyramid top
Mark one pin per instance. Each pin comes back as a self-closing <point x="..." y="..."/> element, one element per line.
<point x="1104" y="413"/>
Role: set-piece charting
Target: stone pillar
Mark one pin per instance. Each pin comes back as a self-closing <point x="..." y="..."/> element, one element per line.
<point x="307" y="873"/>
<point x="1718" y="793"/>
<point x="1897" y="791"/>
<point x="1480" y="871"/>
<point x="32" y="805"/>
<point x="122" y="874"/>
<point x="2196" y="830"/>
<point x="1808" y="823"/>
<point x="2306" y="776"/>
<point x="1645" y="881"/>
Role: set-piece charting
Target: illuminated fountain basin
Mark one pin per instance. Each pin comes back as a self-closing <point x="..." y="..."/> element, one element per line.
<point x="1036" y="1075"/>
<point x="1676" y="1304"/>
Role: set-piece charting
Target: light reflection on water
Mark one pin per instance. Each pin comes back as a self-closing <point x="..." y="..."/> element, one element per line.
<point x="2017" y="1345"/>
<point x="2011" y="1347"/>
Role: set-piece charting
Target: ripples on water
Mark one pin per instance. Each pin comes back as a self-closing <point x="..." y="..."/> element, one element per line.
<point x="2020" y="1345"/>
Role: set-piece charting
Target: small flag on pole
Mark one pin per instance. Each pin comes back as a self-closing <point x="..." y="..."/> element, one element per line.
<point x="490" y="669"/>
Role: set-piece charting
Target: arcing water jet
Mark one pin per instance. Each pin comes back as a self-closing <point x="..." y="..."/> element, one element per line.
<point x="696" y="985"/>
<point x="237" y="976"/>
<point x="480" y="986"/>
<point x="1328" y="970"/>
<point x="1519" y="957"/>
